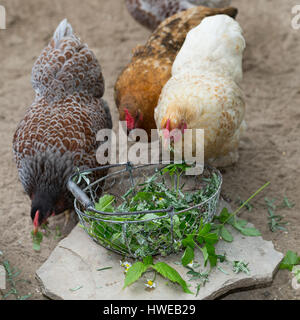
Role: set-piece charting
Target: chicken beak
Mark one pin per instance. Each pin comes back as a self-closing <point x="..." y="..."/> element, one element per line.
<point x="166" y="134"/>
<point x="36" y="223"/>
<point x="35" y="230"/>
<point x="177" y="137"/>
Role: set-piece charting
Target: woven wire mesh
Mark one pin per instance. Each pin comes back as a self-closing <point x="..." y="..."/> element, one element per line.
<point x="141" y="232"/>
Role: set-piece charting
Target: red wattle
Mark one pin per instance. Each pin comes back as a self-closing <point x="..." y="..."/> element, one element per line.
<point x="129" y="120"/>
<point x="168" y="125"/>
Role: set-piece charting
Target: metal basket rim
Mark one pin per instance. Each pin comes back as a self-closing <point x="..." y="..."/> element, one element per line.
<point x="169" y="211"/>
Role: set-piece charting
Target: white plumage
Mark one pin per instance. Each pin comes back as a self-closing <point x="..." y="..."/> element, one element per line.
<point x="204" y="91"/>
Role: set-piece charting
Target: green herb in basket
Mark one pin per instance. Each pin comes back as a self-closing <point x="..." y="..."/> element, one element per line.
<point x="150" y="233"/>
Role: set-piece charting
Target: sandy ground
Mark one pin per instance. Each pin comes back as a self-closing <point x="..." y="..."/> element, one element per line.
<point x="269" y="151"/>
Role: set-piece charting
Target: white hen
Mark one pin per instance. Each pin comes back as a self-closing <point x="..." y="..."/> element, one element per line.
<point x="203" y="92"/>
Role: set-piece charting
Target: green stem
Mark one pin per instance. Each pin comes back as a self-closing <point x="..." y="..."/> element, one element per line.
<point x="198" y="246"/>
<point x="155" y="273"/>
<point x="178" y="181"/>
<point x="246" y="202"/>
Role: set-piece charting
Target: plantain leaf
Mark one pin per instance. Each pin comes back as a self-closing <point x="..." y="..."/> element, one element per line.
<point x="148" y="261"/>
<point x="134" y="273"/>
<point x="226" y="235"/>
<point x="249" y="232"/>
<point x="241" y="223"/>
<point x="168" y="272"/>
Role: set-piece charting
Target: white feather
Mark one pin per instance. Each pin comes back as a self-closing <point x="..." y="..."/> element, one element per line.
<point x="63" y="30"/>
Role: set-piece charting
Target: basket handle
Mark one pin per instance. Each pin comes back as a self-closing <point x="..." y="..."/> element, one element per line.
<point x="80" y="195"/>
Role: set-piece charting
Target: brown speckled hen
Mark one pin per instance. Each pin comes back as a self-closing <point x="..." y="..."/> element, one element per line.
<point x="139" y="85"/>
<point x="58" y="132"/>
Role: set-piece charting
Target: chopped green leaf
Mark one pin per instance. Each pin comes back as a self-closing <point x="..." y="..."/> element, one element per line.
<point x="37" y="239"/>
<point x="222" y="270"/>
<point x="287" y="203"/>
<point x="271" y="203"/>
<point x="105" y="203"/>
<point x="76" y="289"/>
<point x="290" y="260"/>
<point x="241" y="266"/>
<point x="188" y="256"/>
<point x="205" y="255"/>
<point x="106" y="268"/>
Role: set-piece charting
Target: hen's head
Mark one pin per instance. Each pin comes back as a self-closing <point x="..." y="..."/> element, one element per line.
<point x="173" y="129"/>
<point x="134" y="119"/>
<point x="42" y="208"/>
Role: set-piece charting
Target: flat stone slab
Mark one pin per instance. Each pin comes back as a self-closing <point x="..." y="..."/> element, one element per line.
<point x="2" y="278"/>
<point x="71" y="273"/>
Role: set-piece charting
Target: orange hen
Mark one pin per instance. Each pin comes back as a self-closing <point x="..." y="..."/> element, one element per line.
<point x="139" y="85"/>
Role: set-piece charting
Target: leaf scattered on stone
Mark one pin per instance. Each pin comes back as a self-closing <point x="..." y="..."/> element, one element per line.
<point x="106" y="268"/>
<point x="290" y="260"/>
<point x="76" y="289"/>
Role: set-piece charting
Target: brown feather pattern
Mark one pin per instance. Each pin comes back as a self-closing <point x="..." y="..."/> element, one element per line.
<point x="58" y="131"/>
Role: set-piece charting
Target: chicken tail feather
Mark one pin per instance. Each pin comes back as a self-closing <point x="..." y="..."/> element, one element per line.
<point x="63" y="30"/>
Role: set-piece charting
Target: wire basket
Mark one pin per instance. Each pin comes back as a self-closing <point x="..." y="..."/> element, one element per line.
<point x="141" y="232"/>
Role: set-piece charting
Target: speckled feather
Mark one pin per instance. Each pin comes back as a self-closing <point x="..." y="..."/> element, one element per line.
<point x="139" y="85"/>
<point x="66" y="66"/>
<point x="58" y="132"/>
<point x="150" y="13"/>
